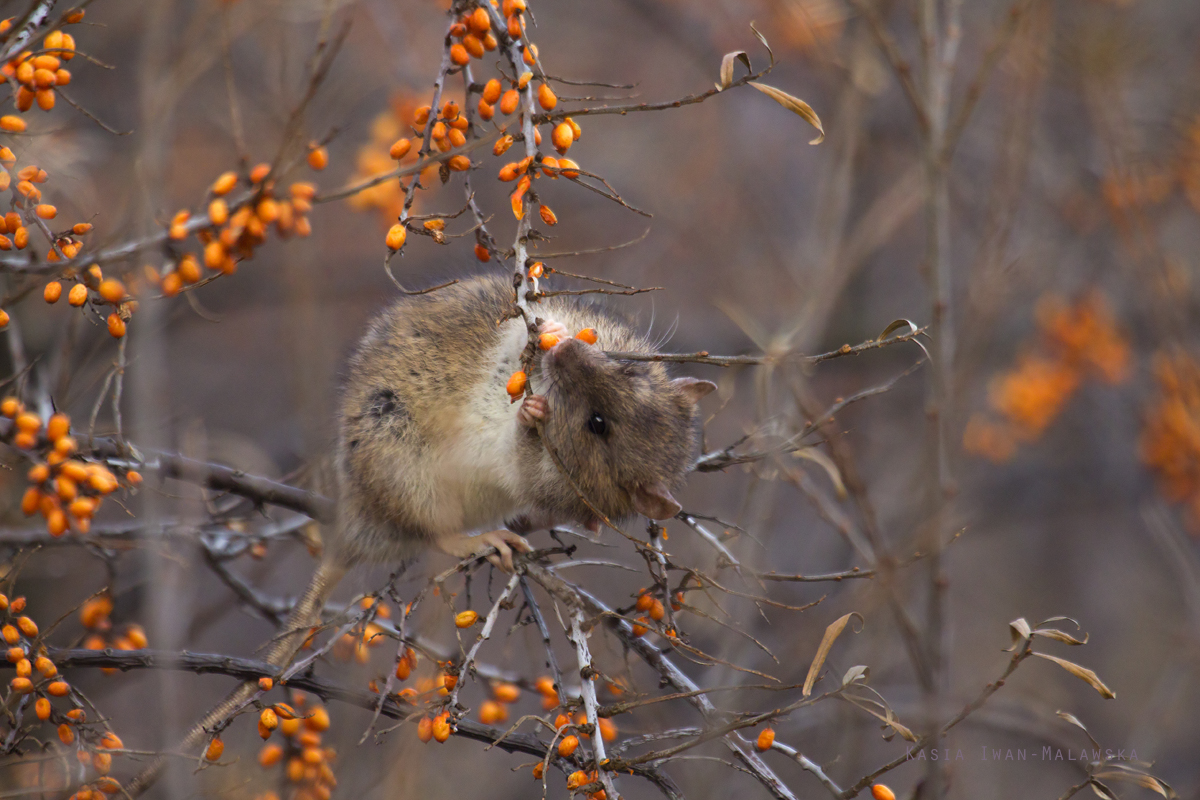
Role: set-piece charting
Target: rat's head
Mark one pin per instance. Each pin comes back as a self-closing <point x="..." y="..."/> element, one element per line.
<point x="624" y="431"/>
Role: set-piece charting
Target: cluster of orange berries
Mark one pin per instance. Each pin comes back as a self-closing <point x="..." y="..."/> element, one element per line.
<point x="1074" y="342"/>
<point x="37" y="75"/>
<point x="90" y="286"/>
<point x="65" y="490"/>
<point x="653" y="610"/>
<point x="95" y="615"/>
<point x="473" y="35"/>
<point x="353" y="644"/>
<point x="577" y="780"/>
<point x="1170" y="441"/>
<point x="518" y="380"/>
<point x="99" y="758"/>
<point x="307" y="763"/>
<point x="229" y="236"/>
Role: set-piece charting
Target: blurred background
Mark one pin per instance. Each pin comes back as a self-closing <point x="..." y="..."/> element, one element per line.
<point x="1073" y="420"/>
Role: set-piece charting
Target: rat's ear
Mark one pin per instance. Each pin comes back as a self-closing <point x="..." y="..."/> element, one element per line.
<point x="655" y="501"/>
<point x="693" y="389"/>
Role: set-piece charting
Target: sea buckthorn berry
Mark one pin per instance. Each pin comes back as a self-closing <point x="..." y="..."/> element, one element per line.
<point x="587" y="335"/>
<point x="112" y="290"/>
<point x="421" y="115"/>
<point x="537" y="269"/>
<point x="396" y="236"/>
<point x="29" y="422"/>
<point x="269" y="719"/>
<point x="458" y="30"/>
<point x="56" y="522"/>
<point x="509" y="172"/>
<point x="567" y="745"/>
<point x="449" y="110"/>
<point x="52" y="292"/>
<point x="460" y="163"/>
<point x="547" y="340"/>
<point x="265" y="684"/>
<point x="20" y="239"/>
<point x="24" y="668"/>
<point x="134" y="477"/>
<point x="224" y="183"/>
<point x="25" y="72"/>
<point x="42" y="709"/>
<point x="481" y="21"/>
<point x="546" y="97"/>
<point x="218" y="211"/>
<point x="215" y="748"/>
<point x="439" y="130"/>
<point x="400" y="148"/>
<point x="116" y="325"/>
<point x="529" y="56"/>
<point x="318" y="157"/>
<point x="492" y="91"/>
<point x="640" y="627"/>
<point x="549" y="166"/>
<point x="516" y="385"/>
<point x="66" y="734"/>
<point x="575" y="129"/>
<point x="172" y="284"/>
<point x="25" y="440"/>
<point x="506" y="693"/>
<point x="5" y="242"/>
<point x="486" y="112"/>
<point x="45" y="667"/>
<point x="31" y="500"/>
<point x="508" y="102"/>
<point x="137" y="637"/>
<point x="569" y="169"/>
<point x="645" y="601"/>
<point x="45" y="99"/>
<point x="539" y="769"/>
<point x="260" y="171"/>
<point x="58" y="689"/>
<point x="10" y="634"/>
<point x="608" y="729"/>
<point x="46" y="61"/>
<point x="547" y="215"/>
<point x="524" y="80"/>
<point x="465" y="619"/>
<point x="270" y="755"/>
<point x="514" y="27"/>
<point x="26" y="625"/>
<point x="441" y="727"/>
<point x="26" y="188"/>
<point x="657" y="612"/>
<point x="459" y="54"/>
<point x="562" y="137"/>
<point x="425" y="729"/>
<point x="489" y="41"/>
<point x="62" y="77"/>
<point x="576" y="779"/>
<point x="482" y="253"/>
<point x="12" y="124"/>
<point x="502" y="145"/>
<point x="457" y="139"/>
<point x="765" y="739"/>
<point x="17" y="605"/>
<point x="881" y="792"/>
<point x="537" y="136"/>
<point x="491" y="712"/>
<point x="10" y="407"/>
<point x="44" y="78"/>
<point x="318" y="720"/>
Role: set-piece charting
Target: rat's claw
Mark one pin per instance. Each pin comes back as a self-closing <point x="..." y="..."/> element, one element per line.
<point x="533" y="408"/>
<point x="553" y="326"/>
<point x="504" y="542"/>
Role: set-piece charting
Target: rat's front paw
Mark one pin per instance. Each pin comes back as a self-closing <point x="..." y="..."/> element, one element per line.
<point x="504" y="542"/>
<point x="533" y="408"/>
<point x="554" y="328"/>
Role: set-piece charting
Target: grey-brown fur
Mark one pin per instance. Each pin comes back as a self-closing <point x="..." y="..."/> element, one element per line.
<point x="430" y="446"/>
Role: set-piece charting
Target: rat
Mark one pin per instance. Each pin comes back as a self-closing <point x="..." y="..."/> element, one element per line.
<point x="431" y="448"/>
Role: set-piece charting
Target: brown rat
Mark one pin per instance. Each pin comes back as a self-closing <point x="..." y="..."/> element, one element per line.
<point x="430" y="447"/>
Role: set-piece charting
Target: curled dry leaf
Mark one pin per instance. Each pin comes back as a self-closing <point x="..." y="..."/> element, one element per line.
<point x="1083" y="673"/>
<point x="1122" y="773"/>
<point x="1059" y="636"/>
<point x="727" y="67"/>
<point x="763" y="39"/>
<point x="1074" y="720"/>
<point x="826" y="463"/>
<point x="1020" y="631"/>
<point x="856" y="674"/>
<point x="796" y="106"/>
<point x="831" y="633"/>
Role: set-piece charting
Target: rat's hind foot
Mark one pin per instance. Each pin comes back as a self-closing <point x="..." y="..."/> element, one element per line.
<point x="504" y="542"/>
<point x="533" y="408"/>
<point x="555" y="328"/>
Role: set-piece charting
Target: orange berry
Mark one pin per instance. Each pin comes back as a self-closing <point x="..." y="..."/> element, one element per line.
<point x="270" y="755"/>
<point x="441" y="727"/>
<point x="576" y="779"/>
<point x="45" y="667"/>
<point x="38" y="473"/>
<point x="421" y="115"/>
<point x="567" y="745"/>
<point x="549" y="165"/>
<point x="639" y="627"/>
<point x="12" y="124"/>
<point x="269" y="719"/>
<point x="459" y="54"/>
<point x="491" y="712"/>
<point x="11" y="634"/>
<point x="172" y="284"/>
<point x="547" y="215"/>
<point x="539" y="770"/>
<point x="218" y="211"/>
<point x="537" y="269"/>
<point x="547" y="340"/>
<point x="21" y="238"/>
<point x="765" y="739"/>
<point x="465" y="619"/>
<point x="529" y="56"/>
<point x="45" y="99"/>
<point x="52" y="292"/>
<point x="514" y="27"/>
<point x="449" y="110"/>
<point x="546" y="97"/>
<point x="58" y="689"/>
<point x="480" y="21"/>
<point x="31" y="501"/>
<point x="502" y="145"/>
<point x="29" y="422"/>
<point x="26" y="625"/>
<point x="657" y="612"/>
<point x="439" y="130"/>
<point x="400" y="148"/>
<point x="42" y="709"/>
<point x="460" y="163"/>
<point x="482" y="253"/>
<point x="56" y="522"/>
<point x="508" y="101"/>
<point x="396" y="236"/>
<point x="425" y="729"/>
<point x="265" y="684"/>
<point x="215" y="748"/>
<point x="44" y="78"/>
<point x="516" y="385"/>
<point x="562" y="137"/>
<point x="587" y="335"/>
<point x="112" y="290"/>
<point x="491" y="91"/>
<point x="568" y="167"/>
<point x="882" y="792"/>
<point x="83" y="507"/>
<point x="66" y="734"/>
<point x="486" y="112"/>
<point x="224" y="183"/>
<point x="318" y="720"/>
<point x="62" y="77"/>
<point x="116" y="325"/>
<point x="506" y="693"/>
<point x="509" y="172"/>
<point x="134" y="477"/>
<point x="318" y="157"/>
<point x="608" y="729"/>
<point x="457" y="139"/>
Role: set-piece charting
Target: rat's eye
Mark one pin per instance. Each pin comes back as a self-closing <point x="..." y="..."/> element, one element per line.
<point x="597" y="425"/>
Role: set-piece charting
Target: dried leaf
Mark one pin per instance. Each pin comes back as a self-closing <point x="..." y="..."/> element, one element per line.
<point x="1059" y="636"/>
<point x="763" y="39"/>
<point x="1140" y="778"/>
<point x="727" y="64"/>
<point x="1071" y="718"/>
<point x="1020" y="631"/>
<point x="888" y="718"/>
<point x="796" y="106"/>
<point x="856" y="674"/>
<point x="831" y="633"/>
<point x="896" y="325"/>
<point x="826" y="463"/>
<point x="1101" y="790"/>
<point x="1083" y="673"/>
